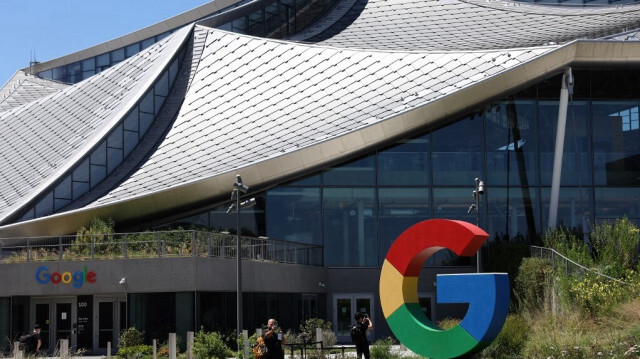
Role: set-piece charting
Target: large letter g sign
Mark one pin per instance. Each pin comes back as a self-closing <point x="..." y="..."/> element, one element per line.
<point x="487" y="293"/>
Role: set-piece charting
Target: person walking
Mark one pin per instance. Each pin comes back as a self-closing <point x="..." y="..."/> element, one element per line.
<point x="33" y="342"/>
<point x="359" y="334"/>
<point x="273" y="340"/>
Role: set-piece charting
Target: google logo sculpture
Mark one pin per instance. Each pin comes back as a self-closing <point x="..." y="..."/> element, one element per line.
<point x="486" y="293"/>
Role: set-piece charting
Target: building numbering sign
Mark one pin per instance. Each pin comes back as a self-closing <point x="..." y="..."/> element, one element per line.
<point x="487" y="293"/>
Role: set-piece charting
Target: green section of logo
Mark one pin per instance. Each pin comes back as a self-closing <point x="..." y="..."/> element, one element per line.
<point x="418" y="333"/>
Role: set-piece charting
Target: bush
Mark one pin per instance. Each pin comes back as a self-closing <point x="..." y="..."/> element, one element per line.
<point x="381" y="349"/>
<point x="511" y="340"/>
<point x="210" y="345"/>
<point x="569" y="243"/>
<point x="448" y="323"/>
<point x="533" y="284"/>
<point x="308" y="331"/>
<point x="134" y="352"/>
<point x="615" y="247"/>
<point x="130" y="338"/>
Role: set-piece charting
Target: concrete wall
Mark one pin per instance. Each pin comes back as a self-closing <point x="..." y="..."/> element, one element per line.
<point x="164" y="275"/>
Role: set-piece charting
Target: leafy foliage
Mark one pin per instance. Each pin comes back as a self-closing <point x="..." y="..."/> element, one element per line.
<point x="511" y="340"/>
<point x="210" y="345"/>
<point x="381" y="349"/>
<point x="134" y="352"/>
<point x="533" y="284"/>
<point x="130" y="338"/>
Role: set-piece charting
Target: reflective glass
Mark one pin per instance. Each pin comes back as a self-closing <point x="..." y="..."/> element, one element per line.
<point x="130" y="141"/>
<point x="146" y="119"/>
<point x="313" y="180"/>
<point x="74" y="72"/>
<point x="117" y="56"/>
<point x="80" y="188"/>
<point x="399" y="209"/>
<point x="115" y="138"/>
<point x="159" y="101"/>
<point x="617" y="203"/>
<point x="102" y="60"/>
<point x="82" y="172"/>
<point x="45" y="206"/>
<point x="252" y="219"/>
<point x="350" y="227"/>
<point x="87" y="74"/>
<point x="454" y="203"/>
<point x="63" y="190"/>
<point x="99" y="155"/>
<point x="511" y="143"/>
<point x="146" y="105"/>
<point x="59" y="203"/>
<point x="162" y="36"/>
<point x="616" y="142"/>
<point x="359" y="172"/>
<point x="98" y="173"/>
<point x="197" y="221"/>
<point x="89" y="64"/>
<point x="574" y="207"/>
<point x="132" y="49"/>
<point x="46" y="74"/>
<point x="162" y="86"/>
<point x="131" y="122"/>
<point x="513" y="212"/>
<point x="294" y="214"/>
<point x="146" y="43"/>
<point x="60" y="73"/>
<point x="458" y="152"/>
<point x="173" y="71"/>
<point x="576" y="159"/>
<point x="406" y="163"/>
<point x="114" y="158"/>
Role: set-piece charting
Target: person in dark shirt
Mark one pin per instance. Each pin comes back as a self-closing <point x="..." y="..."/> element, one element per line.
<point x="362" y="344"/>
<point x="274" y="340"/>
<point x="32" y="346"/>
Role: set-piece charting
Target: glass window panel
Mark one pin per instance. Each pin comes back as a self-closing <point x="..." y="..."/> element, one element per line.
<point x="82" y="172"/>
<point x="158" y="104"/>
<point x="102" y="60"/>
<point x="162" y="36"/>
<point x="63" y="190"/>
<point x="130" y="141"/>
<point x="197" y="221"/>
<point x="146" y="119"/>
<point x="574" y="207"/>
<point x="294" y="214"/>
<point x="87" y="74"/>
<point x="89" y="64"/>
<point x="359" y="172"/>
<point x="132" y="49"/>
<point x="60" y="203"/>
<point x="453" y="203"/>
<point x="314" y="180"/>
<point x="80" y="188"/>
<point x="146" y="43"/>
<point x="399" y="209"/>
<point x="27" y="216"/>
<point x="350" y="227"/>
<point x="615" y="83"/>
<point x="131" y="122"/>
<point x="46" y="74"/>
<point x="114" y="158"/>
<point x="173" y="71"/>
<point x="252" y="220"/>
<point x="117" y="56"/>
<point x="146" y="105"/>
<point x="458" y="152"/>
<point x="240" y="25"/>
<point x="60" y="73"/>
<point x="406" y="163"/>
<point x="115" y="138"/>
<point x="74" y="72"/>
<point x="511" y="143"/>
<point x="98" y="173"/>
<point x="99" y="155"/>
<point x="617" y="203"/>
<point x="576" y="162"/>
<point x="162" y="86"/>
<point x="616" y="142"/>
<point x="45" y="206"/>
<point x="513" y="213"/>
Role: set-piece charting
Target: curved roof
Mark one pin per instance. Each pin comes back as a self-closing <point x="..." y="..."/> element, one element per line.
<point x="276" y="109"/>
<point x="42" y="139"/>
<point x="23" y="88"/>
<point x="462" y="25"/>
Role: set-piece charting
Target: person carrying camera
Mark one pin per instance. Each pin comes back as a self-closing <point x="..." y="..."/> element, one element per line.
<point x="273" y="340"/>
<point x="363" y="323"/>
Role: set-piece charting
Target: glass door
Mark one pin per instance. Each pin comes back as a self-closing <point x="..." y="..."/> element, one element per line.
<point x="56" y="317"/>
<point x="42" y="318"/>
<point x="345" y="307"/>
<point x="63" y="321"/>
<point x="111" y="317"/>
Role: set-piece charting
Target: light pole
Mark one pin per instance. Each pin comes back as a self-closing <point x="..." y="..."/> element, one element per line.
<point x="476" y="206"/>
<point x="238" y="188"/>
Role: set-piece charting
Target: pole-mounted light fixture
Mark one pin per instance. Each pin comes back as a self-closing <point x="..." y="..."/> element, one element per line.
<point x="480" y="189"/>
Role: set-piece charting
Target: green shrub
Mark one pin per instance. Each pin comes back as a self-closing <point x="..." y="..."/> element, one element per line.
<point x="308" y="331"/>
<point x="570" y="244"/>
<point x="130" y="338"/>
<point x="134" y="352"/>
<point x="533" y="284"/>
<point x="511" y="340"/>
<point x="615" y="247"/>
<point x="381" y="349"/>
<point x="210" y="345"/>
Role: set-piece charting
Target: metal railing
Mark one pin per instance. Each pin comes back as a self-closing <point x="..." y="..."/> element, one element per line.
<point x="157" y="244"/>
<point x="560" y="262"/>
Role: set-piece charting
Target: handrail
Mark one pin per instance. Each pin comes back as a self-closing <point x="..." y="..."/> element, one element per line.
<point x="187" y="243"/>
<point x="556" y="253"/>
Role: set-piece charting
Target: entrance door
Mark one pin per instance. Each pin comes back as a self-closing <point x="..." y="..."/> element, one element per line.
<point x="110" y="320"/>
<point x="56" y="317"/>
<point x="345" y="307"/>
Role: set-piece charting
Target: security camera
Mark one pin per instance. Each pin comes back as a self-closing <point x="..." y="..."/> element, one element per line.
<point x="471" y="208"/>
<point x="123" y="281"/>
<point x="481" y="187"/>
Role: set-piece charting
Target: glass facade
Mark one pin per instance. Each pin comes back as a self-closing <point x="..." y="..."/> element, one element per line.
<point x="356" y="209"/>
<point x="111" y="151"/>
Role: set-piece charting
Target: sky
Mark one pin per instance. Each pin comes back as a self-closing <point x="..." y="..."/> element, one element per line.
<point x="53" y="28"/>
